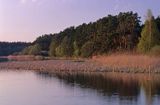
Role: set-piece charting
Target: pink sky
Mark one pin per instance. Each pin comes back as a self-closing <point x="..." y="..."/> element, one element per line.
<point x="24" y="20"/>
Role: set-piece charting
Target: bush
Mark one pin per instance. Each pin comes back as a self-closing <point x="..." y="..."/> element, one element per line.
<point x="155" y="51"/>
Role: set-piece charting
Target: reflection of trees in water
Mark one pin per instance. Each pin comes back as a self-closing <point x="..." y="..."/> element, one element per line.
<point x="123" y="85"/>
<point x="151" y="86"/>
<point x="3" y="59"/>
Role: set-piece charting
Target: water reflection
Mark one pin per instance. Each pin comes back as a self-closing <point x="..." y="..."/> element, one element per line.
<point x="132" y="89"/>
<point x="3" y="59"/>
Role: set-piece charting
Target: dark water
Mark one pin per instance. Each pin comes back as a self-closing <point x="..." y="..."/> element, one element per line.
<point x="35" y="88"/>
<point x="3" y="60"/>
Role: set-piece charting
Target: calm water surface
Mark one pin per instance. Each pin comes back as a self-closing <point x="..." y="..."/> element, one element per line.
<point x="3" y="59"/>
<point x="35" y="88"/>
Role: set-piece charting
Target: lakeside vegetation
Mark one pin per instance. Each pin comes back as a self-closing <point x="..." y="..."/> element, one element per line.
<point x="118" y="43"/>
<point x="122" y="32"/>
<point x="111" y="34"/>
<point x="130" y="63"/>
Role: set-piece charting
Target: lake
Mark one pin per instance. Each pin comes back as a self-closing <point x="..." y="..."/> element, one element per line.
<point x="41" y="88"/>
<point x="3" y="59"/>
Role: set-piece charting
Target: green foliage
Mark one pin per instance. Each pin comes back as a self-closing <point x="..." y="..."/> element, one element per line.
<point x="53" y="46"/>
<point x="59" y="51"/>
<point x="155" y="51"/>
<point x="26" y="50"/>
<point x="150" y="36"/>
<point x="76" y="49"/>
<point x="87" y="49"/>
<point x="44" y="41"/>
<point x="35" y="49"/>
<point x="67" y="47"/>
<point x="111" y="33"/>
<point x="128" y="30"/>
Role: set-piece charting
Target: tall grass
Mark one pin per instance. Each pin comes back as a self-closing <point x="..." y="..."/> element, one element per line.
<point x="130" y="61"/>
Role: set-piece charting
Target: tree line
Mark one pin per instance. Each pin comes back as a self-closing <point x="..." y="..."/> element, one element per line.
<point x="9" y="48"/>
<point x="122" y="32"/>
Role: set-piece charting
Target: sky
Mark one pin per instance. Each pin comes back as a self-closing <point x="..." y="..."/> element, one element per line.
<point x="25" y="20"/>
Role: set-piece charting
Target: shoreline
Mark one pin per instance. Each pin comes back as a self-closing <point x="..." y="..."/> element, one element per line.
<point x="72" y="66"/>
<point x="53" y="66"/>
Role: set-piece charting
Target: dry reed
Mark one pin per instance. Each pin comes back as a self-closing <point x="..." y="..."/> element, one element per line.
<point x="129" y="61"/>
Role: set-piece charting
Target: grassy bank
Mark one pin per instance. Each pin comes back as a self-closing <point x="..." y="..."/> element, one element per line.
<point x="128" y="63"/>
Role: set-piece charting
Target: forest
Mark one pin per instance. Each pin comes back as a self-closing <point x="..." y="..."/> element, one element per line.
<point x="120" y="33"/>
<point x="9" y="48"/>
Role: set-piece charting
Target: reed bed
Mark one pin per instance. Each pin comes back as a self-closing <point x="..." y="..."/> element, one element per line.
<point x="130" y="63"/>
<point x="53" y="65"/>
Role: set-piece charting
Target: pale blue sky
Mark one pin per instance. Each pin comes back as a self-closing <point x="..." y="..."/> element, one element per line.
<point x="24" y="20"/>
